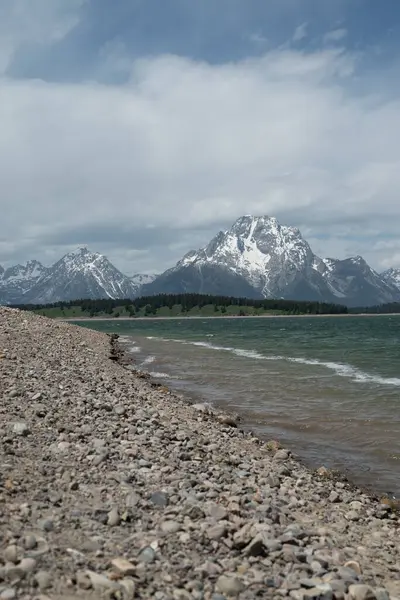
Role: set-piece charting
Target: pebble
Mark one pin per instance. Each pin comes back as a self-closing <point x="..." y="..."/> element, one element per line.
<point x="8" y="594"/>
<point x="231" y="586"/>
<point x="354" y="566"/>
<point x="30" y="542"/>
<point x="123" y="566"/>
<point x="170" y="527"/>
<point x="281" y="455"/>
<point x="159" y="499"/>
<point x="21" y="429"/>
<point x="113" y="518"/>
<point x="361" y="592"/>
<point x="216" y="532"/>
<point x="147" y="555"/>
<point x="11" y="554"/>
<point x="27" y="565"/>
<point x="43" y="580"/>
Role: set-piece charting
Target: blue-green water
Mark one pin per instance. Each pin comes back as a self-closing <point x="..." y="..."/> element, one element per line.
<point x="328" y="387"/>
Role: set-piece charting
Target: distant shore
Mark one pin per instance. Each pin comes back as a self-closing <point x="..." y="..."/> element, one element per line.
<point x="197" y="318"/>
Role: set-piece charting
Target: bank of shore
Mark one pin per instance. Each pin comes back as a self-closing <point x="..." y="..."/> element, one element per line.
<point x="78" y="319"/>
<point x="111" y="486"/>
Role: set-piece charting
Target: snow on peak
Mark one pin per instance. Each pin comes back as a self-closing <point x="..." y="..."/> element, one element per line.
<point x="392" y="276"/>
<point x="255" y="247"/>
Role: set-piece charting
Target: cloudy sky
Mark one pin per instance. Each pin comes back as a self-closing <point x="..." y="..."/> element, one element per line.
<point x="141" y="127"/>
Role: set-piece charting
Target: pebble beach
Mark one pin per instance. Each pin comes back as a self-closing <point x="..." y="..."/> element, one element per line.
<point x="112" y="486"/>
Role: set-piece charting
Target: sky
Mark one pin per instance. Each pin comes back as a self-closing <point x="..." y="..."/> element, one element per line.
<point x="140" y="128"/>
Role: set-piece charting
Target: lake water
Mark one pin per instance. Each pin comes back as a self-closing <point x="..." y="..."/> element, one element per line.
<point x="328" y="387"/>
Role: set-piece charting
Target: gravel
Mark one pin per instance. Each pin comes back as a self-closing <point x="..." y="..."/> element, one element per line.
<point x="113" y="487"/>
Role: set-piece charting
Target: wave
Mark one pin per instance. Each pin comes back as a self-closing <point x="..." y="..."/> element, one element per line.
<point x="340" y="369"/>
<point x="148" y="360"/>
<point x="134" y="348"/>
<point x="158" y="375"/>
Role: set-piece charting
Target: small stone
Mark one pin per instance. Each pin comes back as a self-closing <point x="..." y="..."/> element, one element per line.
<point x="147" y="555"/>
<point x="184" y="538"/>
<point x="216" y="511"/>
<point x="21" y="429"/>
<point x="100" y="457"/>
<point x="231" y="586"/>
<point x="83" y="580"/>
<point x="273" y="481"/>
<point x="11" y="554"/>
<point x="227" y="420"/>
<point x="36" y="396"/>
<point x="119" y="410"/>
<point x="101" y="582"/>
<point x="256" y="546"/>
<point x="46" y="524"/>
<point x="27" y="565"/>
<point x="334" y="496"/>
<point x="323" y="472"/>
<point x="361" y="592"/>
<point x="170" y="527"/>
<point x="216" y="532"/>
<point x="381" y="594"/>
<point x="113" y="518"/>
<point x="129" y="587"/>
<point x="321" y="592"/>
<point x="30" y="542"/>
<point x="352" y="515"/>
<point x="354" y="565"/>
<point x="281" y="455"/>
<point x="159" y="499"/>
<point x="43" y="580"/>
<point x="123" y="566"/>
<point x="8" y="594"/>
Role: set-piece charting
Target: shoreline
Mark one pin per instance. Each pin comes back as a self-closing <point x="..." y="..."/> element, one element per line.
<point x="142" y="493"/>
<point x="67" y="319"/>
<point x="129" y="360"/>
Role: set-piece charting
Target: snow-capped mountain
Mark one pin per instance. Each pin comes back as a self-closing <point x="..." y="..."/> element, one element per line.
<point x="258" y="257"/>
<point x="140" y="279"/>
<point x="79" y="274"/>
<point x="354" y="280"/>
<point x="17" y="280"/>
<point x="392" y="277"/>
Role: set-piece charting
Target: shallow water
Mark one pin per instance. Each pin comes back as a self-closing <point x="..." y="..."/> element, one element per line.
<point x="329" y="387"/>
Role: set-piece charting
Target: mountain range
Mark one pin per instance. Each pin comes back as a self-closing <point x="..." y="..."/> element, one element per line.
<point x="256" y="258"/>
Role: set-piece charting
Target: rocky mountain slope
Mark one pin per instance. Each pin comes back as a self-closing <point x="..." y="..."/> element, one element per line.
<point x="259" y="257"/>
<point x="140" y="279"/>
<point x="17" y="280"/>
<point x="392" y="277"/>
<point x="80" y="274"/>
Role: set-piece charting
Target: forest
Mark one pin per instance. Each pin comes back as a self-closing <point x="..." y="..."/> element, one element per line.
<point x="183" y="305"/>
<point x="380" y="309"/>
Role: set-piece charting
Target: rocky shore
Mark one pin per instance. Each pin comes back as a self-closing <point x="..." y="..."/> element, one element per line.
<point x="113" y="487"/>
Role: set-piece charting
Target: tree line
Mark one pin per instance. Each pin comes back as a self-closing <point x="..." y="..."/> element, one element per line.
<point x="150" y="305"/>
<point x="379" y="309"/>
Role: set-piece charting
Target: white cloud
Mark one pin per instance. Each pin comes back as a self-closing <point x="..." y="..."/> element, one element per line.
<point x="34" y="21"/>
<point x="335" y="35"/>
<point x="191" y="145"/>
<point x="300" y="32"/>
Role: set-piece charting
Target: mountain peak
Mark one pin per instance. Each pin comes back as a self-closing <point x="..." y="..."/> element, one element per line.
<point x="260" y="257"/>
<point x="392" y="277"/>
